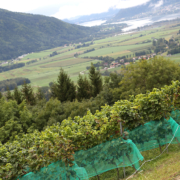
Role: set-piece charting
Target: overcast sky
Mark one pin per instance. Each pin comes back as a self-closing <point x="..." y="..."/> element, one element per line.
<point x="67" y="8"/>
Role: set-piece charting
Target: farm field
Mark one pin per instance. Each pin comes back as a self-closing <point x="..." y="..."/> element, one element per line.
<point x="46" y="69"/>
<point x="175" y="58"/>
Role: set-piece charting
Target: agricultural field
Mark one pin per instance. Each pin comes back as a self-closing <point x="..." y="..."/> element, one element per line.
<point x="46" y="69"/>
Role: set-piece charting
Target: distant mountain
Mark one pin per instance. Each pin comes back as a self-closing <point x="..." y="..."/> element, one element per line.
<point x="93" y="17"/>
<point x="144" y="8"/>
<point x="22" y="33"/>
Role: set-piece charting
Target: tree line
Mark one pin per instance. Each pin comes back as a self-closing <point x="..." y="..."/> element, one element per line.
<point x="53" y="54"/>
<point x="12" y="83"/>
<point x="10" y="67"/>
<point x="32" y="61"/>
<point x="174" y="51"/>
<point x="89" y="50"/>
<point x="83" y="45"/>
<point x="141" y="53"/>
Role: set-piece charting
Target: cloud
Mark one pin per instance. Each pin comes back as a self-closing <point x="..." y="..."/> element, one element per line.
<point x="130" y="3"/>
<point x="67" y="8"/>
<point x="160" y="3"/>
<point x="29" y="5"/>
<point x="94" y="7"/>
<point x="84" y="8"/>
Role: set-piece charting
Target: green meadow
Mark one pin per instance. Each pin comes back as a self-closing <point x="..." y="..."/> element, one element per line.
<point x="46" y="69"/>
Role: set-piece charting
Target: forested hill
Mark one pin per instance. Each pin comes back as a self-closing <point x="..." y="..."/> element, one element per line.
<point x="22" y="33"/>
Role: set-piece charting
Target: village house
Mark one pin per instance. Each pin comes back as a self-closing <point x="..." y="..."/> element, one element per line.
<point x="112" y="66"/>
<point x="115" y="63"/>
<point x="126" y="63"/>
<point x="122" y="61"/>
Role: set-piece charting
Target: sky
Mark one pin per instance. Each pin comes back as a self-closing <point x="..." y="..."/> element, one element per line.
<point x="66" y="9"/>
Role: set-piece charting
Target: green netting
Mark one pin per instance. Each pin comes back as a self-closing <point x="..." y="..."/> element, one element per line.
<point x="94" y="161"/>
<point x="114" y="154"/>
<point x="176" y="116"/>
<point x="156" y="134"/>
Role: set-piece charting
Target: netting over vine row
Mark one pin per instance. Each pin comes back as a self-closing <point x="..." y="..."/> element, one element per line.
<point x="94" y="161"/>
<point x="114" y="154"/>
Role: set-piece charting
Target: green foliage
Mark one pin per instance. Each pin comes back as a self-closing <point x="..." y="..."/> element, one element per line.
<point x="146" y="75"/>
<point x="64" y="89"/>
<point x="84" y="132"/>
<point x="14" y="120"/>
<point x="96" y="80"/>
<point x="33" y="151"/>
<point x="84" y="89"/>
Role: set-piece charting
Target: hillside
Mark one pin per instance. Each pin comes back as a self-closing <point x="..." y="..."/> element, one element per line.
<point x="100" y="16"/>
<point x="146" y="9"/>
<point x="23" y="33"/>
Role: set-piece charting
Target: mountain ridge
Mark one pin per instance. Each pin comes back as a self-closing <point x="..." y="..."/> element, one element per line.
<point x="146" y="7"/>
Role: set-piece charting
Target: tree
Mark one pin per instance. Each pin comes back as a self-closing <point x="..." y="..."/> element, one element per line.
<point x="146" y="75"/>
<point x="17" y="95"/>
<point x="84" y="88"/>
<point x="27" y="94"/>
<point x="64" y="89"/>
<point x="40" y="95"/>
<point x="114" y="80"/>
<point x="96" y="80"/>
<point x="8" y="94"/>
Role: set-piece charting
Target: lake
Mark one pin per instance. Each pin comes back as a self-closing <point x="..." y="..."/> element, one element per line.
<point x="93" y="23"/>
<point x="133" y="24"/>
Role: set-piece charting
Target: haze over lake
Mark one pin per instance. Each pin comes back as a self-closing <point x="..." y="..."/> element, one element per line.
<point x="133" y="24"/>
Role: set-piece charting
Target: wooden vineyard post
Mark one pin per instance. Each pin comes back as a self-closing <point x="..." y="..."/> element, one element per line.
<point x="176" y="139"/>
<point x="131" y="162"/>
<point x="96" y="174"/>
<point x="121" y="132"/>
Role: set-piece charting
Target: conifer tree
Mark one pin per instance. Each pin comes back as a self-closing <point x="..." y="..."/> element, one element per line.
<point x="96" y="80"/>
<point x="17" y="95"/>
<point x="27" y="94"/>
<point x="84" y="88"/>
<point x="8" y="94"/>
<point x="64" y="89"/>
<point x="40" y="95"/>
